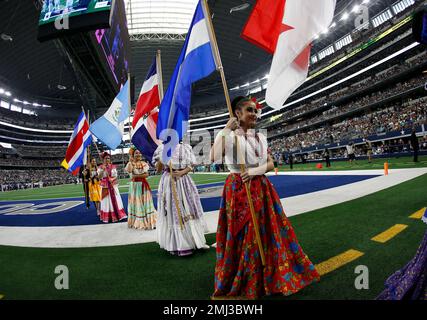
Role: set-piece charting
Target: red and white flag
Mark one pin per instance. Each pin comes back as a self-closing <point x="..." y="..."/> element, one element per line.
<point x="146" y="113"/>
<point x="149" y="97"/>
<point x="286" y="28"/>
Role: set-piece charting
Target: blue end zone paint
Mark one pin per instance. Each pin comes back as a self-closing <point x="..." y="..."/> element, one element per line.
<point x="286" y="186"/>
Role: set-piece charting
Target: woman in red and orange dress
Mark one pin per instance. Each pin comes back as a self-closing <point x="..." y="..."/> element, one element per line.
<point x="239" y="272"/>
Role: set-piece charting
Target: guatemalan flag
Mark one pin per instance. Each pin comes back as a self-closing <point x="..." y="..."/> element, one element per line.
<point x="146" y="114"/>
<point x="195" y="62"/>
<point x="110" y="127"/>
<point x="81" y="138"/>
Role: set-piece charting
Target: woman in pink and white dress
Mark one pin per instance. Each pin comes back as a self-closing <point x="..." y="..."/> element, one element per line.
<point x="111" y="202"/>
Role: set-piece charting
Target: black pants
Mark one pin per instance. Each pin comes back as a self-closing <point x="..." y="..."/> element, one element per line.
<point x="415" y="155"/>
<point x="328" y="162"/>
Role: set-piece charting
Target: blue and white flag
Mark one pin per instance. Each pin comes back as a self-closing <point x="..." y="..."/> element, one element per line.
<point x="195" y="62"/>
<point x="110" y="127"/>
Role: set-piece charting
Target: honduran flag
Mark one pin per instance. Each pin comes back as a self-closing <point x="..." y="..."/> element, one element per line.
<point x="286" y="28"/>
<point x="196" y="61"/>
<point x="146" y="113"/>
<point x="79" y="141"/>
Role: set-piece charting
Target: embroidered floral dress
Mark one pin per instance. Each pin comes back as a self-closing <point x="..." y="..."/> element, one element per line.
<point x="111" y="202"/>
<point x="179" y="235"/>
<point x="239" y="272"/>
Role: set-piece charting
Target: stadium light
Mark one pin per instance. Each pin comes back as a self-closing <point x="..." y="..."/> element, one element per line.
<point x="333" y="25"/>
<point x="345" y="16"/>
<point x="7" y="93"/>
<point x="7" y="124"/>
<point x="365" y="1"/>
<point x="25" y="102"/>
<point x="241" y="7"/>
<point x="356" y="8"/>
<point x="16" y="100"/>
<point x="245" y="85"/>
<point x="2" y="91"/>
<point x="265" y="77"/>
<point x="235" y="88"/>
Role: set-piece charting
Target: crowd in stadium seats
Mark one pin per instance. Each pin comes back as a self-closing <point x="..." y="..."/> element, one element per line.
<point x="29" y="163"/>
<point x="394" y="118"/>
<point x="40" y="151"/>
<point x="24" y="179"/>
<point x="395" y="69"/>
<point x="416" y="114"/>
<point x="33" y="121"/>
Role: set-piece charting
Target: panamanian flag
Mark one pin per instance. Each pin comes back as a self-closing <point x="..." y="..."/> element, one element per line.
<point x="144" y="122"/>
<point x="196" y="61"/>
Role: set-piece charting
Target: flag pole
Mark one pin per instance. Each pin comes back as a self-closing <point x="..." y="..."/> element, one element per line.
<point x="159" y="72"/>
<point x="173" y="182"/>
<point x="217" y="58"/>
<point x="84" y="172"/>
<point x="88" y="147"/>
<point x="130" y="109"/>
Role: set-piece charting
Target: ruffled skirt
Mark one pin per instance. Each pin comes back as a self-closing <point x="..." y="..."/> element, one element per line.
<point x="239" y="272"/>
<point x="180" y="235"/>
<point x="141" y="210"/>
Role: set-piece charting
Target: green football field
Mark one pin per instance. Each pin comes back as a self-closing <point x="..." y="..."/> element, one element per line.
<point x="144" y="271"/>
<point x="72" y="190"/>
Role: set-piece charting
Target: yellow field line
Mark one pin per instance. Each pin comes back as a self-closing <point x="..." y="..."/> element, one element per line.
<point x="389" y="233"/>
<point x="338" y="261"/>
<point x="418" y="214"/>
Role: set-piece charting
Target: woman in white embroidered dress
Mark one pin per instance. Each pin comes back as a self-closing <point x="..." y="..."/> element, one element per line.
<point x="180" y="223"/>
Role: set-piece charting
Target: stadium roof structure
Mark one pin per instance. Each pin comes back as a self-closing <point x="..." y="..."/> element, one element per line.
<point x="38" y="70"/>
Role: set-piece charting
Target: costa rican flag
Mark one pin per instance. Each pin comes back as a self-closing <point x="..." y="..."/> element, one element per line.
<point x="79" y="141"/>
<point x="146" y="113"/>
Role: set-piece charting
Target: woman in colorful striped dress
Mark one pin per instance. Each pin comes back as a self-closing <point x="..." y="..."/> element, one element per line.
<point x="141" y="211"/>
<point x="239" y="272"/>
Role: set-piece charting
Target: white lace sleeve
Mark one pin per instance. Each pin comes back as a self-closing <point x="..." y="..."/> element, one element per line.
<point x="192" y="156"/>
<point x="157" y="154"/>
